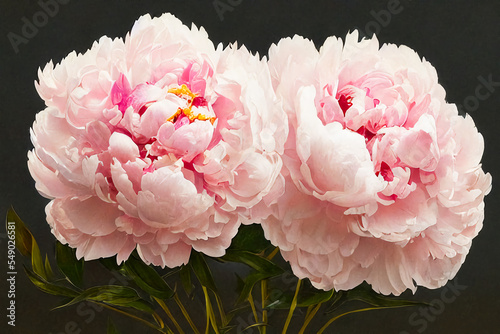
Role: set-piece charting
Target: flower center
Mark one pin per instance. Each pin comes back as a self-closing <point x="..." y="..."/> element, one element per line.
<point x="345" y="102"/>
<point x="385" y="171"/>
<point x="193" y="101"/>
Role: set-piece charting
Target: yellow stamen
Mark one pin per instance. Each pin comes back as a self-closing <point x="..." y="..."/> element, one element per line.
<point x="184" y="92"/>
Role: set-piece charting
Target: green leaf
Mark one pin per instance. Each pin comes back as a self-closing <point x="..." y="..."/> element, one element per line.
<point x="318" y="297"/>
<point x="140" y="305"/>
<point x="202" y="271"/>
<point x="37" y="261"/>
<point x="170" y="272"/>
<point x="285" y="300"/>
<point x="250" y="238"/>
<point x="111" y="327"/>
<point x="250" y="282"/>
<point x="204" y="275"/>
<point x="365" y="294"/>
<point x="147" y="278"/>
<point x="23" y="235"/>
<point x="114" y="295"/>
<point x="69" y="265"/>
<point x="110" y="263"/>
<point x="235" y="311"/>
<point x="51" y="288"/>
<point x="264" y="269"/>
<point x="26" y="243"/>
<point x="185" y="275"/>
<point x="226" y="330"/>
<point x="255" y="261"/>
<point x="48" y="269"/>
<point x="308" y="296"/>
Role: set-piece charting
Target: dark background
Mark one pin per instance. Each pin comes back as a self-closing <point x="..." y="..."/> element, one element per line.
<point x="460" y="38"/>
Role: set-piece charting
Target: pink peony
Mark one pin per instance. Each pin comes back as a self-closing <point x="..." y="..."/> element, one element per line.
<point x="383" y="177"/>
<point x="157" y="142"/>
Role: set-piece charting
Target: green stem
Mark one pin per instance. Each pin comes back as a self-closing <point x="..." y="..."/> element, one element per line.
<point x="169" y="314"/>
<point x="221" y="310"/>
<point x="158" y="320"/>
<point x="161" y="330"/>
<point x="186" y="314"/>
<point x="341" y="315"/>
<point x="292" y="307"/>
<point x="273" y="253"/>
<point x="309" y="316"/>
<point x="210" y="312"/>
<point x="207" y="327"/>
<point x="254" y="310"/>
<point x="263" y="291"/>
<point x="258" y="325"/>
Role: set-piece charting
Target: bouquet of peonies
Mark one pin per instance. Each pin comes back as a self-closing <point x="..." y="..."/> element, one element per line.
<point x="163" y="149"/>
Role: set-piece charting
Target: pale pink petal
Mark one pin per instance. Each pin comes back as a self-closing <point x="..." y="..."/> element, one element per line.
<point x="123" y="147"/>
<point x="383" y="177"/>
<point x="158" y="142"/>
